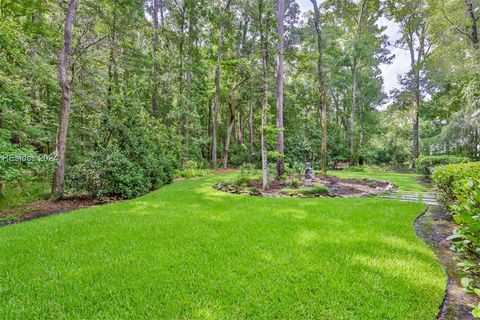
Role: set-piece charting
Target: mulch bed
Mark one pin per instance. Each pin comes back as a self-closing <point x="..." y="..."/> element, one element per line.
<point x="338" y="187"/>
<point x="47" y="207"/>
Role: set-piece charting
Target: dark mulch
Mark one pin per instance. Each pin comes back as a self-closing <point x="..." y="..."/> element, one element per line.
<point x="47" y="207"/>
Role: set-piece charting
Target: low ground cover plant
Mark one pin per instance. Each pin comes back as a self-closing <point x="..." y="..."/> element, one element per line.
<point x="193" y="169"/>
<point x="317" y="190"/>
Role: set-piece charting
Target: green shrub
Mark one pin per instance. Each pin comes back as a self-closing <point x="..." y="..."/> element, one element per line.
<point x="460" y="184"/>
<point x="247" y="173"/>
<point x="426" y="163"/>
<point x="466" y="238"/>
<point x="283" y="178"/>
<point x="295" y="183"/>
<point x="238" y="154"/>
<point x="254" y="190"/>
<point x="133" y="156"/>
<point x="192" y="173"/>
<point x="319" y="189"/>
<point x="444" y="178"/>
<point x="110" y="173"/>
<point x="107" y="173"/>
<point x="193" y="165"/>
<point x="288" y="191"/>
<point x="296" y="169"/>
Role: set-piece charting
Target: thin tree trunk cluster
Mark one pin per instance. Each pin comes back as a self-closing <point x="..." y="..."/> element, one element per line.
<point x="321" y="87"/>
<point x="355" y="62"/>
<point x="216" y="101"/>
<point x="280" y="56"/>
<point x="156" y="6"/>
<point x="263" y="137"/>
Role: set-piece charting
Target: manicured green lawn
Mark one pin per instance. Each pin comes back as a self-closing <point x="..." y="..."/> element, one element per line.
<point x="188" y="251"/>
<point x="404" y="181"/>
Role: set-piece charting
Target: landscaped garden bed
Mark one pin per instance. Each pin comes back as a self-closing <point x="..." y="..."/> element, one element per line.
<point x="308" y="186"/>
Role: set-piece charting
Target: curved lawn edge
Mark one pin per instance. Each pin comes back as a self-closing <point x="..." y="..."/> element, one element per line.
<point x="195" y="252"/>
<point x="422" y="234"/>
<point x="434" y="227"/>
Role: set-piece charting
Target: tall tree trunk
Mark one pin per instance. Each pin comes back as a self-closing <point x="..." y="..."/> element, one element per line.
<point x="352" y="114"/>
<point x="189" y="85"/>
<point x="209" y="127"/>
<point x="280" y="56"/>
<point x="156" y="6"/>
<point x="473" y="21"/>
<point x="241" y="128"/>
<point x="34" y="94"/>
<point x="321" y="88"/>
<point x="263" y="138"/>
<point x="250" y="132"/>
<point x="64" y="64"/>
<point x="112" y="64"/>
<point x="232" y="120"/>
<point x="187" y="114"/>
<point x="216" y="100"/>
<point x="236" y="131"/>
<point x="477" y="147"/>
<point x="323" y="162"/>
<point x="415" y="116"/>
<point x="354" y="84"/>
<point x="228" y="133"/>
<point x="416" y="63"/>
<point x="416" y="66"/>
<point x="361" y="107"/>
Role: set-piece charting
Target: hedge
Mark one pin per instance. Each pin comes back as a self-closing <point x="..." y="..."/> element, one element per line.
<point x="460" y="188"/>
<point x="425" y="164"/>
<point x="444" y="178"/>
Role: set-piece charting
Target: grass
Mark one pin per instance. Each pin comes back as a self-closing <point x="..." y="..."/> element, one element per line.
<point x="404" y="181"/>
<point x="188" y="251"/>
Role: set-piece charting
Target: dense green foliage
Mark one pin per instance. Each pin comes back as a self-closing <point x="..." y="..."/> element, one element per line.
<point x="446" y="177"/>
<point x="466" y="239"/>
<point x="116" y="74"/>
<point x="463" y="185"/>
<point x="134" y="156"/>
<point x="193" y="169"/>
<point x="189" y="251"/>
<point x="426" y="164"/>
<point x="147" y="90"/>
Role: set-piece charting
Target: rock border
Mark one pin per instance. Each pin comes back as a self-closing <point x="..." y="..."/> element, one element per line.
<point x="224" y="187"/>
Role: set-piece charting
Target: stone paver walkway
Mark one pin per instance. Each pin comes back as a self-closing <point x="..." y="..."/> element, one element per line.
<point x="429" y="198"/>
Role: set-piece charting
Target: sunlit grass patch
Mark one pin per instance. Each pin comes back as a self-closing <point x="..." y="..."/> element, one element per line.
<point x="189" y="251"/>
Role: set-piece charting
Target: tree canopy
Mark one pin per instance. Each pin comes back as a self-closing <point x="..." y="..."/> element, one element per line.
<point x="146" y="86"/>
